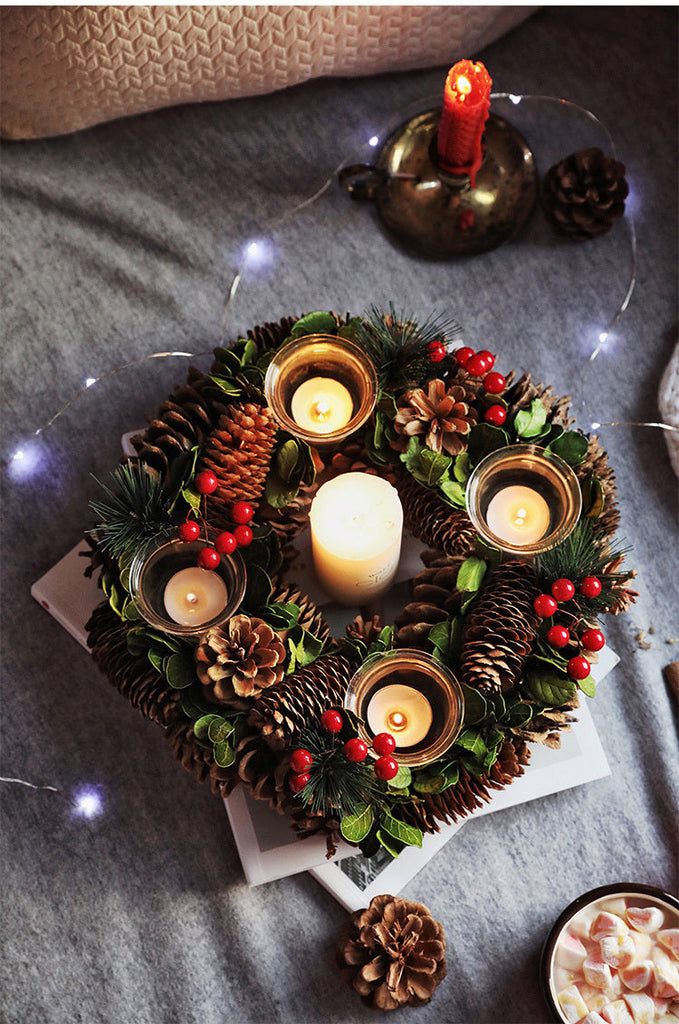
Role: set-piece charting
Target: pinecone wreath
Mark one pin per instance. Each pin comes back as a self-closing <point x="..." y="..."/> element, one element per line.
<point x="584" y="194"/>
<point x="393" y="953"/>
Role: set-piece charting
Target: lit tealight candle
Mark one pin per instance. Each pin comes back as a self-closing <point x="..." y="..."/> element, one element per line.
<point x="194" y="596"/>
<point x="518" y="515"/>
<point x="356" y="525"/>
<point x="401" y="710"/>
<point x="322" y="405"/>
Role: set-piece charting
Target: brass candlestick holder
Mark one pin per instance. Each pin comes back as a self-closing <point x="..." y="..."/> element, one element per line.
<point x="438" y="215"/>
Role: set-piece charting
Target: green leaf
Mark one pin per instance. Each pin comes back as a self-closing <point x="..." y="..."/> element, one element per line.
<point x="156" y="660"/>
<point x="219" y="730"/>
<point x="529" y="423"/>
<point x="484" y="438"/>
<point x="191" y="497"/>
<point x="470" y="574"/>
<point x="587" y="685"/>
<point x="519" y="715"/>
<point x="593" y="496"/>
<point x="258" y="589"/>
<point x="180" y="671"/>
<point x="130" y="611"/>
<point x="475" y="707"/>
<point x="227" y="384"/>
<point x="201" y="725"/>
<point x="425" y="465"/>
<point x="462" y="467"/>
<point x="286" y="459"/>
<point x="137" y="644"/>
<point x="571" y="447"/>
<point x="439" y="636"/>
<point x="224" y="755"/>
<point x="454" y="492"/>
<point x="407" y="834"/>
<point x="355" y="827"/>
<point x="390" y="844"/>
<point x="304" y="648"/>
<point x="402" y="779"/>
<point x="548" y="688"/>
<point x="429" y="783"/>
<point x="472" y="740"/>
<point x="314" y="323"/>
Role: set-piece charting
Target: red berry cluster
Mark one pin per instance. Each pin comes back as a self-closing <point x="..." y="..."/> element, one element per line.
<point x="355" y="750"/>
<point x="226" y="542"/>
<point x="479" y="364"/>
<point x="558" y="636"/>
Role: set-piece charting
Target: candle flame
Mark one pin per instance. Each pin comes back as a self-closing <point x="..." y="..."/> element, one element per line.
<point x="397" y="721"/>
<point x="320" y="410"/>
<point x="520" y="517"/>
<point x="464" y="87"/>
<point x="191" y="598"/>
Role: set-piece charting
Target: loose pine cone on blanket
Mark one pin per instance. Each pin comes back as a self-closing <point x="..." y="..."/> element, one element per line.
<point x="584" y="194"/>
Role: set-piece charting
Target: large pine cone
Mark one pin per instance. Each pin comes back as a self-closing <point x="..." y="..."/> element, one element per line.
<point x="284" y="709"/>
<point x="584" y="194"/>
<point x="435" y="597"/>
<point x="393" y="953"/>
<point x="263" y="772"/>
<point x="443" y="415"/>
<point x="500" y="628"/>
<point x="433" y="521"/>
<point x="238" y="452"/>
<point x="240" y="659"/>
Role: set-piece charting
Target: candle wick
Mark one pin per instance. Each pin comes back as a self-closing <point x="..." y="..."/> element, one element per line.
<point x="191" y="598"/>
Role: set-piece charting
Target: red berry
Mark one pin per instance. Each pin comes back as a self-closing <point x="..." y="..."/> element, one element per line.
<point x="332" y="721"/>
<point x="494" y="383"/>
<point x="241" y="512"/>
<point x="243" y="535"/>
<point x="590" y="586"/>
<point x="463" y="355"/>
<point x="384" y="743"/>
<point x="544" y="605"/>
<point x="558" y="636"/>
<point x="188" y="531"/>
<point x="208" y="558"/>
<point x="205" y="482"/>
<point x="436" y="351"/>
<point x="578" y="667"/>
<point x="386" y="768"/>
<point x="593" y="640"/>
<point x="563" y="590"/>
<point x="495" y="414"/>
<point x="476" y="365"/>
<point x="298" y="782"/>
<point x="489" y="358"/>
<point x="301" y="760"/>
<point x="225" y="543"/>
<point x="356" y="749"/>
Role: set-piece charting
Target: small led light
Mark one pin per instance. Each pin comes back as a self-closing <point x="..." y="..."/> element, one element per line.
<point x="594" y="426"/>
<point x="24" y="461"/>
<point x="373" y="140"/>
<point x="603" y="337"/>
<point x="259" y="254"/>
<point x="87" y="803"/>
<point x="514" y="99"/>
<point x="90" y="381"/>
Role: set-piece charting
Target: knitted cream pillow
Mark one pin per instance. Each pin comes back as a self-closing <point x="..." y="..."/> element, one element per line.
<point x="66" y="68"/>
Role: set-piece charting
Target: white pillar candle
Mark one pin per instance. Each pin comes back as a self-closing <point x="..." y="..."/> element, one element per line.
<point x="194" y="596"/>
<point x="401" y="710"/>
<point x="518" y="515"/>
<point x="356" y="525"/>
<point x="322" y="405"/>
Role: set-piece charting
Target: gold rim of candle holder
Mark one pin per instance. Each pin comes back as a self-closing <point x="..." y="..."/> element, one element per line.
<point x="151" y="572"/>
<point x="320" y="355"/>
<point x="534" y="467"/>
<point x="443" y="692"/>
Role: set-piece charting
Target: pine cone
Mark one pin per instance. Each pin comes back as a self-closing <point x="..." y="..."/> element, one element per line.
<point x="435" y="598"/>
<point x="134" y="677"/>
<point x="546" y="728"/>
<point x="624" y="595"/>
<point x="238" y="452"/>
<point x="305" y="825"/>
<point x="500" y="628"/>
<point x="522" y="392"/>
<point x="584" y="194"/>
<point x="596" y="463"/>
<point x="352" y="457"/>
<point x="184" y="420"/>
<point x="289" y="521"/>
<point x="240" y="659"/>
<point x="442" y="414"/>
<point x="284" y="709"/>
<point x="310" y="617"/>
<point x="264" y="773"/>
<point x="431" y="520"/>
<point x="198" y="759"/>
<point x="393" y="953"/>
<point x="366" y="631"/>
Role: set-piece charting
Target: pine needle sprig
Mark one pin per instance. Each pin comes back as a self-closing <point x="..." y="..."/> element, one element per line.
<point x="398" y="346"/>
<point x="135" y="512"/>
<point x="582" y="554"/>
<point x="335" y="784"/>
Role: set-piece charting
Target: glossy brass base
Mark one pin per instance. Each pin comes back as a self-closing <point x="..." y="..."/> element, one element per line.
<point x="438" y="215"/>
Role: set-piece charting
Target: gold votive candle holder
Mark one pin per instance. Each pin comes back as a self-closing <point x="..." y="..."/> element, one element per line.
<point x="411" y="695"/>
<point x="321" y="388"/>
<point x="523" y="499"/>
<point x="168" y="580"/>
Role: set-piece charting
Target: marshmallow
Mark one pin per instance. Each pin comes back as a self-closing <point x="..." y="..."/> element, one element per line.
<point x="645" y="919"/>
<point x="597" y="973"/>
<point x="581" y="924"/>
<point x="668" y="1018"/>
<point x="637" y="976"/>
<point x="570" y="952"/>
<point x="595" y="998"/>
<point x="641" y="1007"/>
<point x="616" y="905"/>
<point x="572" y="1005"/>
<point x="666" y="983"/>
<point x="669" y="938"/>
<point x="617" y="950"/>
<point x="607" y="924"/>
<point x="562" y="978"/>
<point x="617" y="1013"/>
<point x="593" y="1018"/>
<point x="642" y="946"/>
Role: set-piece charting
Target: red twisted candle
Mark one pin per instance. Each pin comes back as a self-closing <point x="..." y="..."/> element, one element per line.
<point x="466" y="103"/>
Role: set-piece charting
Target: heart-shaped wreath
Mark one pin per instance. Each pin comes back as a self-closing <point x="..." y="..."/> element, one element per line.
<point x="258" y="701"/>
